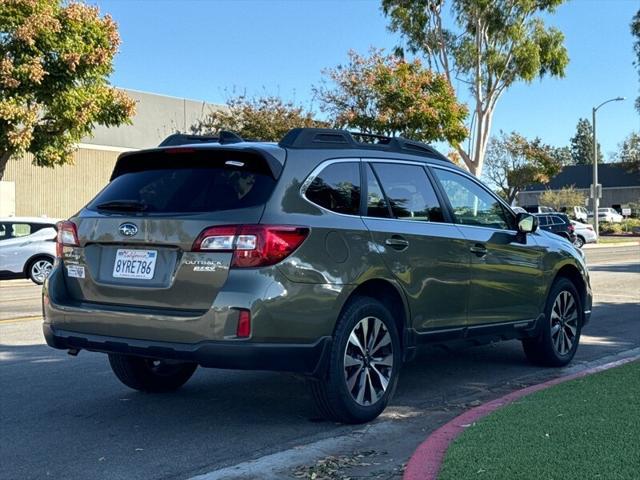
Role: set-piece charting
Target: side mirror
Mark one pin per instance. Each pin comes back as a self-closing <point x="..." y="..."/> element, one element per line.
<point x="526" y="223"/>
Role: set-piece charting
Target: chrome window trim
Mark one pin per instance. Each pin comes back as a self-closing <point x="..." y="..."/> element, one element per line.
<point x="316" y="171"/>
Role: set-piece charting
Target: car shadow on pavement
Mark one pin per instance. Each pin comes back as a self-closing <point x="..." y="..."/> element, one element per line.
<point x="618" y="268"/>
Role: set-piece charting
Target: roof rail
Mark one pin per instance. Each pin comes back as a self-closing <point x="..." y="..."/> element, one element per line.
<point x="343" y="139"/>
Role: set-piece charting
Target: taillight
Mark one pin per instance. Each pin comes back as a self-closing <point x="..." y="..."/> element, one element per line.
<point x="571" y="228"/>
<point x="67" y="236"/>
<point x="252" y="245"/>
<point x="243" y="330"/>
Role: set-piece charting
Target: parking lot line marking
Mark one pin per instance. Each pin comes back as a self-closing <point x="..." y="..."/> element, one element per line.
<point x="20" y="319"/>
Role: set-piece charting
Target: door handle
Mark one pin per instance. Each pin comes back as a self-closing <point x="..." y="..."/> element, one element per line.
<point x="479" y="249"/>
<point x="396" y="242"/>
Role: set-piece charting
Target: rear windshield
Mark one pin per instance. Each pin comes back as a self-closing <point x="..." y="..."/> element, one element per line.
<point x="186" y="183"/>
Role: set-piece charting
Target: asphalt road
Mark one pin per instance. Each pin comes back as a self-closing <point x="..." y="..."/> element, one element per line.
<point x="65" y="417"/>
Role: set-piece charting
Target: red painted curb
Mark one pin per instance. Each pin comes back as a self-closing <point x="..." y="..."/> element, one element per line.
<point x="426" y="461"/>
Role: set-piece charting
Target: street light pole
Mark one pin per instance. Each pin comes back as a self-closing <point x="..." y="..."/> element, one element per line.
<point x="596" y="197"/>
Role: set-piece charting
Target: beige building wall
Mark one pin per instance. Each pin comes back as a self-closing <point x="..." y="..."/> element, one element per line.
<point x="61" y="191"/>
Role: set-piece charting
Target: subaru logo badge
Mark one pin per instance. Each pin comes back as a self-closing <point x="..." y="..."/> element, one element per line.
<point x="128" y="229"/>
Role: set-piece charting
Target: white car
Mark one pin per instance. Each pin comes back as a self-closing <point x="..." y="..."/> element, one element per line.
<point x="608" y="215"/>
<point x="27" y="247"/>
<point x="580" y="213"/>
<point x="584" y="233"/>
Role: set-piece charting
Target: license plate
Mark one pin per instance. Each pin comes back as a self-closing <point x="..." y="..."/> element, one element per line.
<point x="138" y="264"/>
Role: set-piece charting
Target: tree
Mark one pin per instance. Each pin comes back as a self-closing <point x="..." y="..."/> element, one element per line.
<point x="55" y="61"/>
<point x="267" y="118"/>
<point x="513" y="162"/>
<point x="489" y="45"/>
<point x="387" y="95"/>
<point x="582" y="144"/>
<point x="565" y="198"/>
<point x="629" y="152"/>
<point x="562" y="155"/>
<point x="635" y="31"/>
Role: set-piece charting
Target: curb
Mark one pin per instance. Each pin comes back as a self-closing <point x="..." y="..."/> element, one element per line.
<point x="426" y="461"/>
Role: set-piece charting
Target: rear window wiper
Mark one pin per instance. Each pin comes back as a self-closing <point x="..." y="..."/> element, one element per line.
<point x="123" y="205"/>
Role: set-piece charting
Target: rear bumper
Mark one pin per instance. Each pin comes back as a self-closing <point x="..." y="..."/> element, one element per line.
<point x="308" y="359"/>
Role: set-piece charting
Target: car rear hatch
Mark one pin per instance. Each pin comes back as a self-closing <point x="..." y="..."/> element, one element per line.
<point x="136" y="242"/>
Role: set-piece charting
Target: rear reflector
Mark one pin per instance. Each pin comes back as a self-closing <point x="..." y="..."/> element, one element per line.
<point x="67" y="236"/>
<point x="244" y="324"/>
<point x="252" y="245"/>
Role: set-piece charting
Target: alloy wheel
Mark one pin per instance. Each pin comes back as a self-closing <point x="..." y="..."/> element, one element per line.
<point x="368" y="361"/>
<point x="564" y="322"/>
<point x="40" y="270"/>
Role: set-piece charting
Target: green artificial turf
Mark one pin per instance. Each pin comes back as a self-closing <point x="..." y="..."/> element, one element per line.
<point x="587" y="428"/>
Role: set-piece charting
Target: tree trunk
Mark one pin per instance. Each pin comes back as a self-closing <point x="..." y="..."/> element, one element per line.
<point x="4" y="159"/>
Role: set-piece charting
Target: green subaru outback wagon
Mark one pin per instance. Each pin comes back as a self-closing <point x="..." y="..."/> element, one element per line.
<point x="330" y="254"/>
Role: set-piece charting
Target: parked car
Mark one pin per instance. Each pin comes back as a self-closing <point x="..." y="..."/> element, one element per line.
<point x="581" y="214"/>
<point x="537" y="208"/>
<point x="584" y="233"/>
<point x="336" y="263"/>
<point x="518" y="209"/>
<point x="557" y="223"/>
<point x="608" y="215"/>
<point x="27" y="247"/>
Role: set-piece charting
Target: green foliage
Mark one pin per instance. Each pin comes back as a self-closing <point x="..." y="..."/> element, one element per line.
<point x="513" y="162"/>
<point x="635" y="31"/>
<point x="266" y="118"/>
<point x="490" y="45"/>
<point x="582" y="144"/>
<point x="567" y="197"/>
<point x="629" y="152"/>
<point x="387" y="95"/>
<point x="55" y="60"/>
<point x="562" y="155"/>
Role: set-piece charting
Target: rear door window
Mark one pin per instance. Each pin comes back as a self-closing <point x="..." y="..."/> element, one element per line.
<point x="187" y="183"/>
<point x="20" y="230"/>
<point x="409" y="192"/>
<point x="337" y="188"/>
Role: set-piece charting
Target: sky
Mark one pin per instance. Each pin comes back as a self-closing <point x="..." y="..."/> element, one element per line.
<point x="212" y="49"/>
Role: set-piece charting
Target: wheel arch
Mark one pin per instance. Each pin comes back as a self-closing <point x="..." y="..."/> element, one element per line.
<point x="573" y="274"/>
<point x="33" y="258"/>
<point x="392" y="297"/>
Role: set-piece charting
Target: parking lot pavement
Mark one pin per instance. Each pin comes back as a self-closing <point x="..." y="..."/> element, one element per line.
<point x="19" y="299"/>
<point x="65" y="417"/>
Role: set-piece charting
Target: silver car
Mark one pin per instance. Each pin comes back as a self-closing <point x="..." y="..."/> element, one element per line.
<point x="584" y="233"/>
<point x="27" y="247"/>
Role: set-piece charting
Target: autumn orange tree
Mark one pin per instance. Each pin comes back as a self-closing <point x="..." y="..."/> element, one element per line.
<point x="55" y="58"/>
<point x="388" y="95"/>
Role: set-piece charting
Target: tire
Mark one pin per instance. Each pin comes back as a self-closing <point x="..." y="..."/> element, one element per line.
<point x="579" y="241"/>
<point x="359" y="382"/>
<point x="39" y="268"/>
<point x="557" y="342"/>
<point x="151" y="375"/>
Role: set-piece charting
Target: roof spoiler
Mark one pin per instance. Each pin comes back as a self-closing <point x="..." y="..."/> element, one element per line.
<point x="225" y="137"/>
